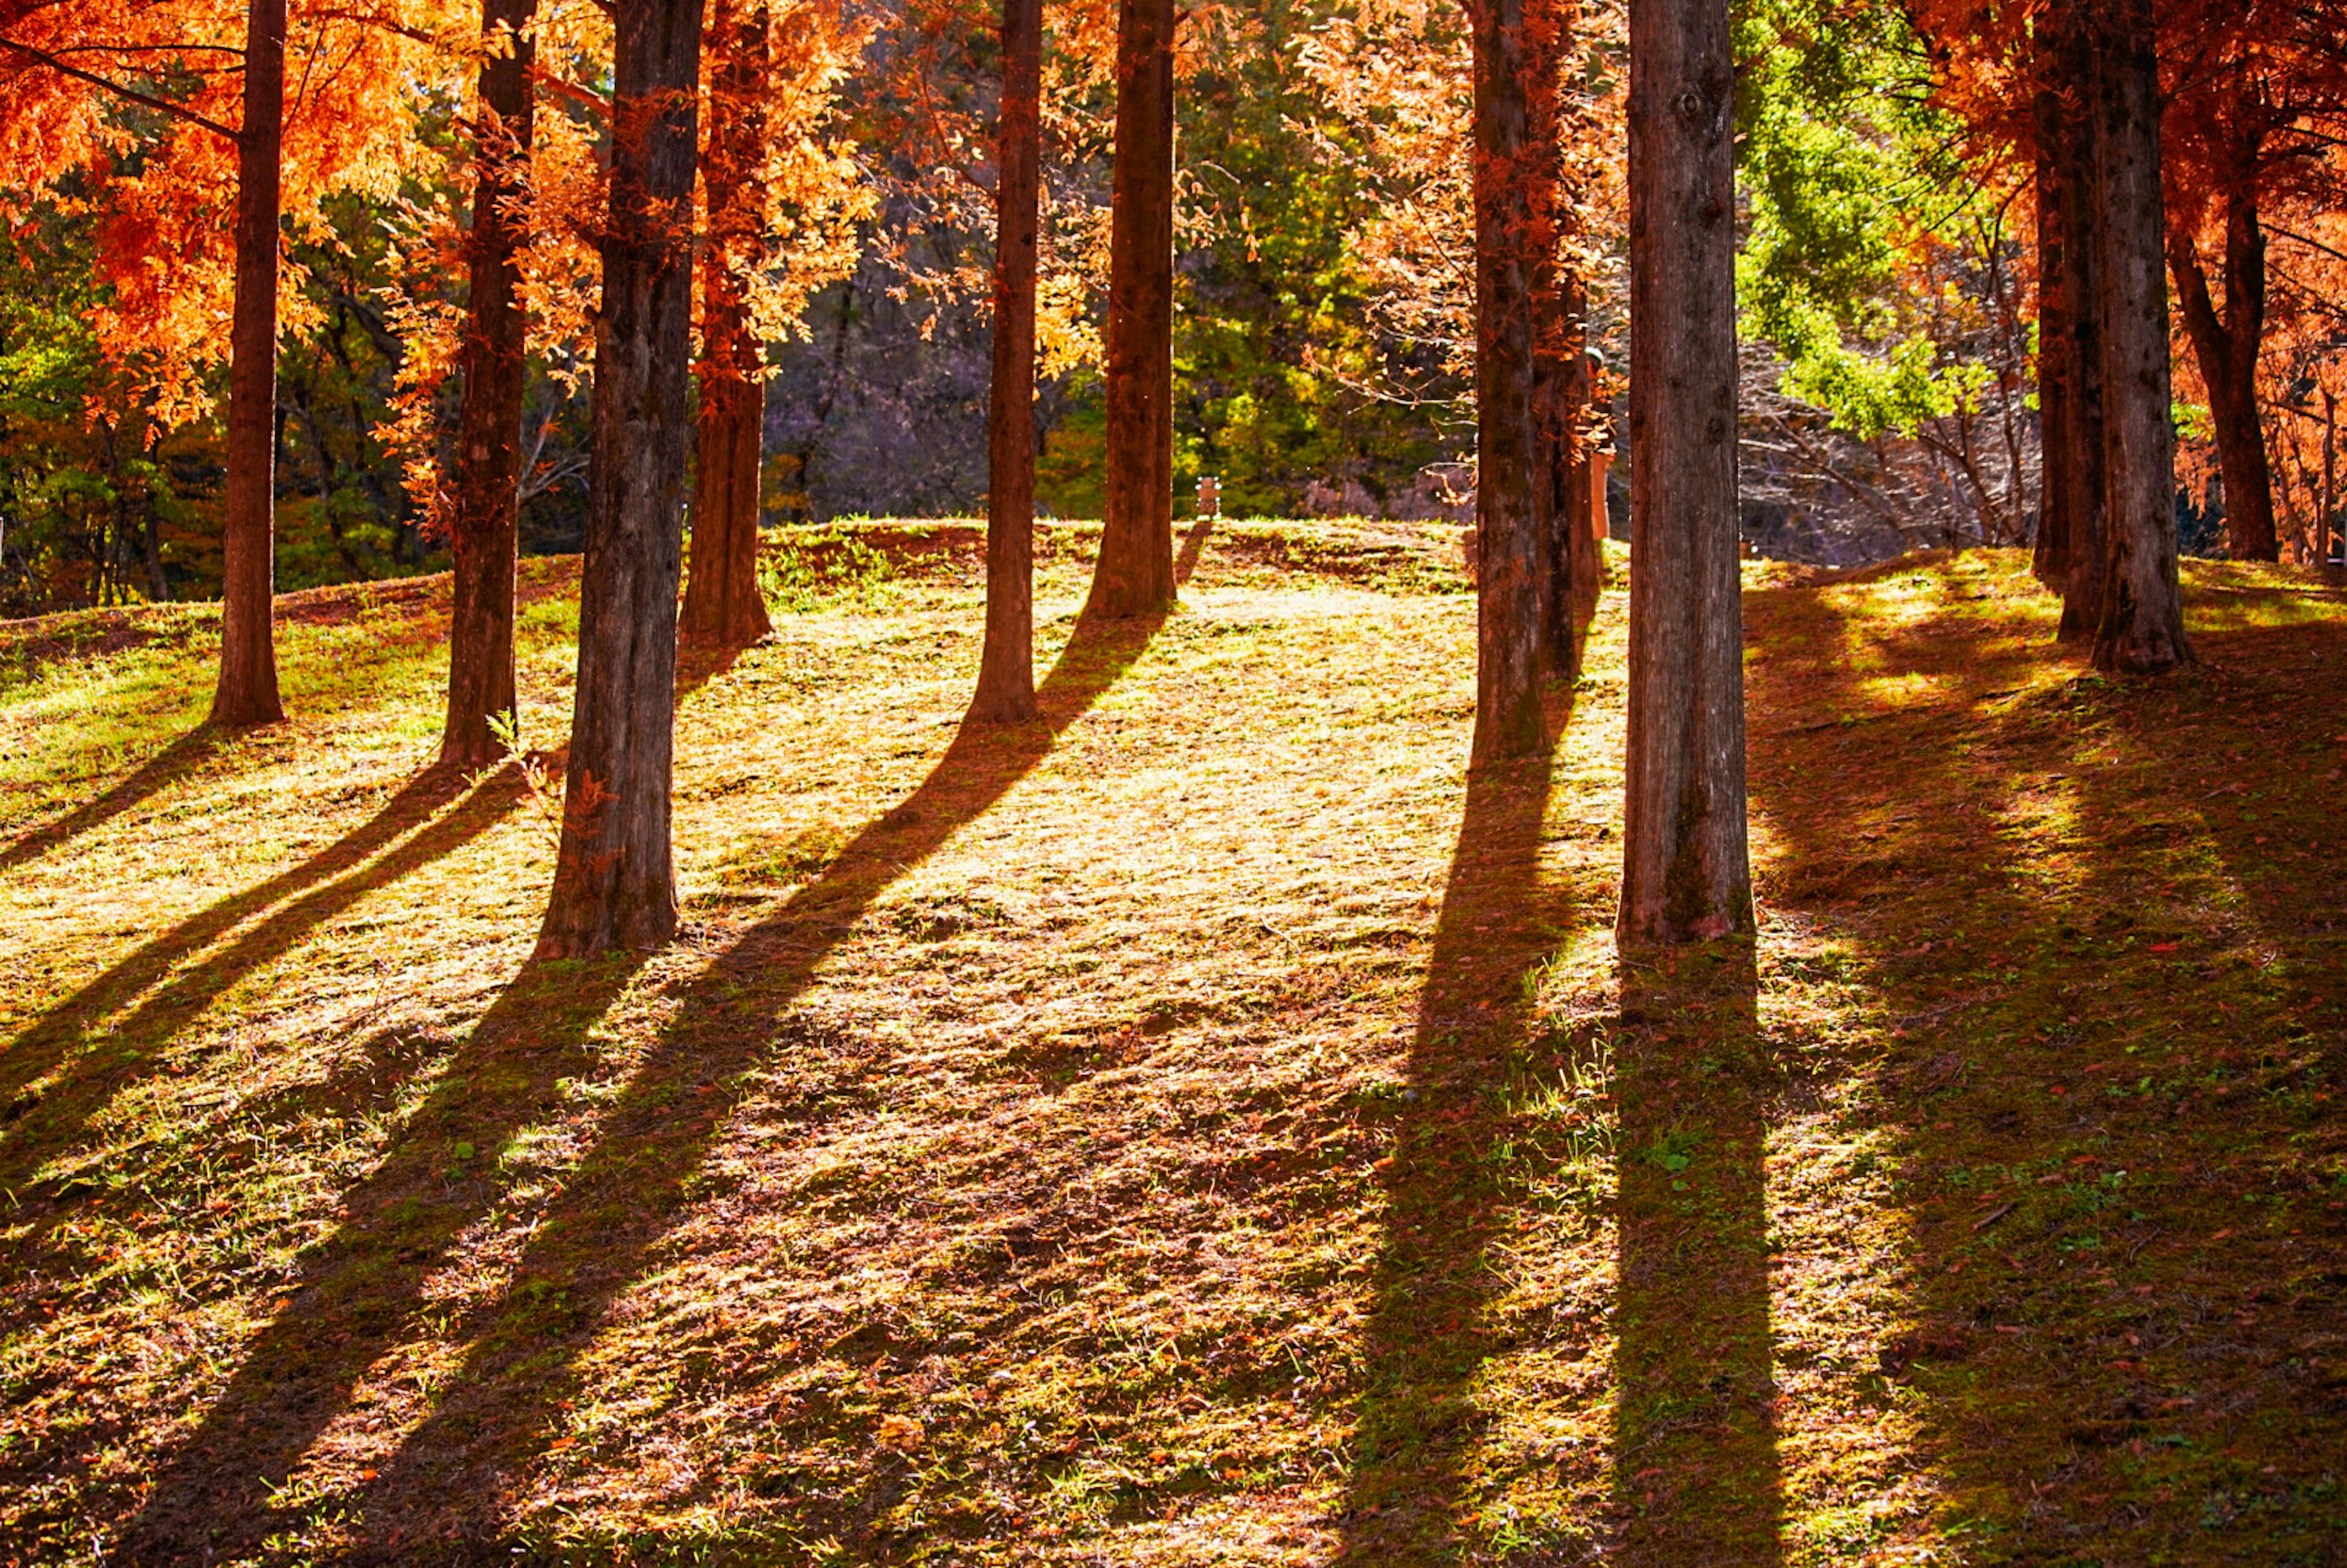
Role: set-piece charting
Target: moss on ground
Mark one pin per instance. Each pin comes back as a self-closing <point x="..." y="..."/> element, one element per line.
<point x="1207" y="1126"/>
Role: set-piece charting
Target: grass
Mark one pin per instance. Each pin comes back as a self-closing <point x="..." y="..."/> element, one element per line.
<point x="1207" y="1126"/>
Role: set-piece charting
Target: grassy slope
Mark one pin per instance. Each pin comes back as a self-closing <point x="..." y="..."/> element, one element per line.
<point x="1207" y="1127"/>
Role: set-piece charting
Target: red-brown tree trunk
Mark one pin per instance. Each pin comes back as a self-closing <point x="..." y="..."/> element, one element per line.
<point x="1006" y="670"/>
<point x="2057" y="350"/>
<point x="2141" y="630"/>
<point x="1686" y="871"/>
<point x="484" y="529"/>
<point x="1561" y="379"/>
<point x="2070" y="556"/>
<point x="1134" y="574"/>
<point x="1510" y="557"/>
<point x="2226" y="346"/>
<point x="723" y="605"/>
<point x="247" y="692"/>
<point x="614" y="877"/>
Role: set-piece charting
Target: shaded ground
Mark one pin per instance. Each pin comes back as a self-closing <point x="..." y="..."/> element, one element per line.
<point x="1205" y="1126"/>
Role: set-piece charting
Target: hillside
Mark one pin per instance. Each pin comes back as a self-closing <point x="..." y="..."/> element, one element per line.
<point x="1205" y="1127"/>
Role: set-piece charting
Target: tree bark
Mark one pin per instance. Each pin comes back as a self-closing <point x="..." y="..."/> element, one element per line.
<point x="1561" y="378"/>
<point x="2226" y="346"/>
<point x="723" y="605"/>
<point x="247" y="692"/>
<point x="1006" y="671"/>
<point x="614" y="878"/>
<point x="2141" y="630"/>
<point x="1686" y="871"/>
<point x="1134" y="574"/>
<point x="2071" y="325"/>
<point x="1510" y="558"/>
<point x="484" y="528"/>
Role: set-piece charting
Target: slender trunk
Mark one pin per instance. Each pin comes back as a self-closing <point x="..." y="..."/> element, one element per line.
<point x="721" y="601"/>
<point x="1006" y="671"/>
<point x="247" y="693"/>
<point x="1686" y="871"/>
<point x="1135" y="575"/>
<point x="2226" y="346"/>
<point x="2141" y="630"/>
<point x="484" y="528"/>
<point x="614" y="876"/>
<point x="2330" y="481"/>
<point x="1561" y="380"/>
<point x="2070" y="327"/>
<point x="1510" y="559"/>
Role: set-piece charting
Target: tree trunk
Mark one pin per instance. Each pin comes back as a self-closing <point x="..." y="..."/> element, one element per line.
<point x="1006" y="671"/>
<point x="2071" y="326"/>
<point x="721" y="601"/>
<point x="2056" y="347"/>
<point x="2141" y="630"/>
<point x="2226" y="346"/>
<point x="247" y="693"/>
<point x="1135" y="575"/>
<point x="614" y="878"/>
<point x="1510" y="561"/>
<point x="1686" y="871"/>
<point x="1561" y="379"/>
<point x="485" y="527"/>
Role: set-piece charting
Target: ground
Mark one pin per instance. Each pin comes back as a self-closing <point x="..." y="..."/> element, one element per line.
<point x="1206" y="1126"/>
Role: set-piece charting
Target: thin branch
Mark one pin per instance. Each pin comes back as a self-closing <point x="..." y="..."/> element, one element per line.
<point x="180" y="111"/>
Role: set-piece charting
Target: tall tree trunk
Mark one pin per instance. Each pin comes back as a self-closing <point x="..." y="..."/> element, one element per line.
<point x="485" y="525"/>
<point x="1561" y="379"/>
<point x="2226" y="346"/>
<point x="721" y="601"/>
<point x="1006" y="670"/>
<point x="1686" y="871"/>
<point x="2071" y="560"/>
<point x="2141" y="630"/>
<point x="1135" y="575"/>
<point x="614" y="877"/>
<point x="2057" y="342"/>
<point x="1510" y="559"/>
<point x="247" y="693"/>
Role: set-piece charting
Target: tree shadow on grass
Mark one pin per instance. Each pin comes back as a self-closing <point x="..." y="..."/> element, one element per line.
<point x="1695" y="1442"/>
<point x="1420" y="1423"/>
<point x="156" y="773"/>
<point x="2112" y="1005"/>
<point x="108" y="1053"/>
<point x="365" y="1284"/>
<point x="1194" y="545"/>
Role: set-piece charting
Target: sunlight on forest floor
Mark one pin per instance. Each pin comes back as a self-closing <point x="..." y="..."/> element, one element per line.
<point x="1204" y="1126"/>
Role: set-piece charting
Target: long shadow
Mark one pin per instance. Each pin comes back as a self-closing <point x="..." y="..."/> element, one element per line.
<point x="1419" y="1424"/>
<point x="180" y="757"/>
<point x="2097" y="1108"/>
<point x="365" y="1281"/>
<point x="1696" y="1474"/>
<point x="114" y="1054"/>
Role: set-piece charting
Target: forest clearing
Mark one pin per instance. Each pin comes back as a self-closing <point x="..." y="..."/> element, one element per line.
<point x="1205" y="1125"/>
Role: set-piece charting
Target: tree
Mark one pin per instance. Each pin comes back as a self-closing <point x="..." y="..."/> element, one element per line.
<point x="1134" y="574"/>
<point x="1006" y="671"/>
<point x="1685" y="866"/>
<point x="247" y="691"/>
<point x="615" y="878"/>
<point x="2068" y="556"/>
<point x="484" y="522"/>
<point x="1512" y="227"/>
<point x="721" y="601"/>
<point x="2141" y="627"/>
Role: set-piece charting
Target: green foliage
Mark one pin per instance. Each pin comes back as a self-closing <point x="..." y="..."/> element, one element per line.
<point x="1845" y="171"/>
<point x="1272" y="336"/>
